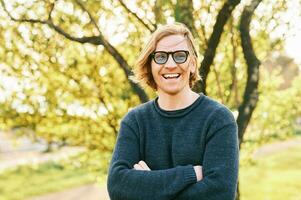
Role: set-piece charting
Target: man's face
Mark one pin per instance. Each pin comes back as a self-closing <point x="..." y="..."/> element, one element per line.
<point x="172" y="75"/>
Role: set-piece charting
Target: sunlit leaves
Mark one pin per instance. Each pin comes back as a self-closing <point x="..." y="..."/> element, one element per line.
<point x="78" y="93"/>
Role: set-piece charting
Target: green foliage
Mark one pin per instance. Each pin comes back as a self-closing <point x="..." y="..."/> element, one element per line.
<point x="66" y="91"/>
<point x="277" y="110"/>
<point x="76" y="94"/>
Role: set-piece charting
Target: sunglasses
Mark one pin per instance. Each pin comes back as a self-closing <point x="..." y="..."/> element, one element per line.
<point x="161" y="57"/>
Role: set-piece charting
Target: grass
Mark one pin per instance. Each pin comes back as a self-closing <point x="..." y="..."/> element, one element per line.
<point x="27" y="181"/>
<point x="273" y="177"/>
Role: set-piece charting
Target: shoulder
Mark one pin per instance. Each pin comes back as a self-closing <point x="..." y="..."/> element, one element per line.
<point x="135" y="114"/>
<point x="220" y="121"/>
<point x="217" y="112"/>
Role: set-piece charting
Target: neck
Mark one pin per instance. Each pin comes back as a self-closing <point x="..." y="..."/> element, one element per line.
<point x="176" y="101"/>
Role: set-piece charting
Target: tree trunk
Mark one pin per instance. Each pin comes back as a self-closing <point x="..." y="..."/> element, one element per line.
<point x="214" y="40"/>
<point x="250" y="99"/>
<point x="251" y="90"/>
<point x="183" y="12"/>
<point x="157" y="9"/>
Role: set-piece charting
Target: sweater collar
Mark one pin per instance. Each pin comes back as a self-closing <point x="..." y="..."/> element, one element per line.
<point x="179" y="112"/>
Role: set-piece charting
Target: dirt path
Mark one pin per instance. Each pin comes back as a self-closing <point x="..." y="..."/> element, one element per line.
<point x="86" y="192"/>
<point x="22" y="151"/>
<point x="26" y="152"/>
<point x="17" y="158"/>
<point x="276" y="147"/>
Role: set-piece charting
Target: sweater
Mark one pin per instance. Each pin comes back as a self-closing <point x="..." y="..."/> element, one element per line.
<point x="171" y="143"/>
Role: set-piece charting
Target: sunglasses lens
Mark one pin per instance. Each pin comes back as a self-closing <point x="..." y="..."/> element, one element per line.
<point x="180" y="56"/>
<point x="160" y="57"/>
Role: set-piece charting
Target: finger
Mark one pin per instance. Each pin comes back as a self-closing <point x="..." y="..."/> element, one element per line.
<point x="138" y="167"/>
<point x="144" y="165"/>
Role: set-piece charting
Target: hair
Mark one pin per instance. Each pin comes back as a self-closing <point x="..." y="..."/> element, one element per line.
<point x="142" y="69"/>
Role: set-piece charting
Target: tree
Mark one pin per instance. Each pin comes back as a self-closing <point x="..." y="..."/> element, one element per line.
<point x="70" y="51"/>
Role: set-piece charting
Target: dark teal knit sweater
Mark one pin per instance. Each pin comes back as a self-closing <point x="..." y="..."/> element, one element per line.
<point x="171" y="143"/>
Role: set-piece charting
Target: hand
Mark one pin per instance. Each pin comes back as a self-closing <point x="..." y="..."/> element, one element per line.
<point x="198" y="172"/>
<point x="141" y="166"/>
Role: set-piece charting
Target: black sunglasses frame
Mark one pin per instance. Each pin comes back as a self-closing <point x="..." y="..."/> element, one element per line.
<point x="172" y="55"/>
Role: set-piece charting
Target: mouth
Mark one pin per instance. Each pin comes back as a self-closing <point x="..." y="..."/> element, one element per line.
<point x="171" y="76"/>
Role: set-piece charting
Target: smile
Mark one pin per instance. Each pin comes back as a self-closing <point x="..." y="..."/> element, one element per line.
<point x="171" y="76"/>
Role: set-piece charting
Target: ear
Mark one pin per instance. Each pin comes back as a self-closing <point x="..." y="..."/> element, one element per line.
<point x="193" y="66"/>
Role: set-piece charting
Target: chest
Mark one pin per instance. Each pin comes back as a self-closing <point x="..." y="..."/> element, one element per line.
<point x="167" y="145"/>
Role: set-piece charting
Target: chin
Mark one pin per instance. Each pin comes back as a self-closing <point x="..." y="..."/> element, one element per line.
<point x="170" y="91"/>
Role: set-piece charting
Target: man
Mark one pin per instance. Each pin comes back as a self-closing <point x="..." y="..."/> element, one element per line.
<point x="182" y="145"/>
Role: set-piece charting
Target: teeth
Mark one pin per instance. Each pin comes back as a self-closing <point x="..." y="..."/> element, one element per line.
<point x="171" y="75"/>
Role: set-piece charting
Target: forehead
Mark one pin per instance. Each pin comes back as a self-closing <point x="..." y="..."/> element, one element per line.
<point x="172" y="43"/>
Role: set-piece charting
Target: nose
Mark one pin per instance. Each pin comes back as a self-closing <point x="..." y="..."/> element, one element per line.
<point x="170" y="62"/>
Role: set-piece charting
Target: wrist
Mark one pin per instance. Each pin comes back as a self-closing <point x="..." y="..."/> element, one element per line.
<point x="198" y="172"/>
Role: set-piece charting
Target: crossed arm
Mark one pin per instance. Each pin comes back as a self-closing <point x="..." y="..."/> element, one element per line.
<point x="127" y="183"/>
<point x="141" y="165"/>
<point x="131" y="179"/>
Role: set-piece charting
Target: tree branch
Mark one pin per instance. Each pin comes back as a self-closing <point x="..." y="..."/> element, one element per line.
<point x="214" y="40"/>
<point x="158" y="11"/>
<point x="20" y="20"/>
<point x="204" y="34"/>
<point x="184" y="13"/>
<point x="51" y="9"/>
<point x="81" y="5"/>
<point x="233" y="85"/>
<point x="219" y="88"/>
<point x="96" y="40"/>
<point x="118" y="57"/>
<point x="92" y="39"/>
<point x="251" y="90"/>
<point x="151" y="29"/>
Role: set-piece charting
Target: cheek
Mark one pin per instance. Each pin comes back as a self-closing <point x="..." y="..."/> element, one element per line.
<point x="185" y="68"/>
<point x="154" y="69"/>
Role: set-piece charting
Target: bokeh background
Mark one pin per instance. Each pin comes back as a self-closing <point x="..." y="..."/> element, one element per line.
<point x="65" y="69"/>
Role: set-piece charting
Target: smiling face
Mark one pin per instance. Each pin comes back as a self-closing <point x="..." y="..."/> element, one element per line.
<point x="172" y="78"/>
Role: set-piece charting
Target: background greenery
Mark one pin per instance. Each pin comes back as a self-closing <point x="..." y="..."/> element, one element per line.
<point x="64" y="80"/>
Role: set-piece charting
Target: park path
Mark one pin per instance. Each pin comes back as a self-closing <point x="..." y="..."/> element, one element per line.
<point x="276" y="147"/>
<point x="22" y="151"/>
<point x="86" y="192"/>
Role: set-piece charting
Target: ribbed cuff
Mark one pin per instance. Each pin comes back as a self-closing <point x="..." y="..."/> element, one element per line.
<point x="189" y="174"/>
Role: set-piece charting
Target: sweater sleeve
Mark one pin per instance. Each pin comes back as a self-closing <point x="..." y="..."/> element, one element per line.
<point x="220" y="163"/>
<point x="126" y="183"/>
